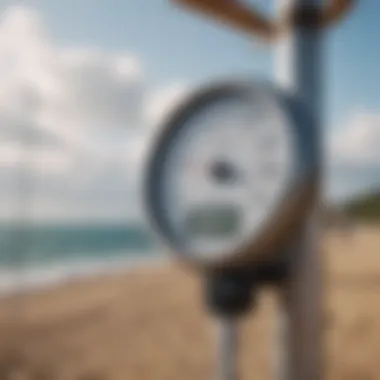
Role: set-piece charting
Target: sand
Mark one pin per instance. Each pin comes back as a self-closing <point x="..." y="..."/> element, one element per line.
<point x="150" y="323"/>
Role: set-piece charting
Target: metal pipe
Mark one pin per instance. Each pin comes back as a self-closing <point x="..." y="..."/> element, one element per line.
<point x="228" y="349"/>
<point x="298" y="68"/>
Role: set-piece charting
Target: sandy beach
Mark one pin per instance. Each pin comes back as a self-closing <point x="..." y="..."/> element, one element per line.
<point x="150" y="323"/>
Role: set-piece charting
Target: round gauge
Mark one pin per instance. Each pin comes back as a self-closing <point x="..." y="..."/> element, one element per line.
<point x="231" y="173"/>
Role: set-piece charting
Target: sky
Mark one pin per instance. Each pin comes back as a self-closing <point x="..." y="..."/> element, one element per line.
<point x="84" y="85"/>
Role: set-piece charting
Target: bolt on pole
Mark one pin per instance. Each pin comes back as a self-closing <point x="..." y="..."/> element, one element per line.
<point x="298" y="68"/>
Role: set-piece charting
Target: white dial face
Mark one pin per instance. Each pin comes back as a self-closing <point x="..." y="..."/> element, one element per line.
<point x="225" y="174"/>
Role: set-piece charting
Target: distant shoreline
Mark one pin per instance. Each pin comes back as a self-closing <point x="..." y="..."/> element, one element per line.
<point x="33" y="278"/>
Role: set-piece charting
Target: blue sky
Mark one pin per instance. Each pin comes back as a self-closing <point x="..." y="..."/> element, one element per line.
<point x="175" y="50"/>
<point x="174" y="45"/>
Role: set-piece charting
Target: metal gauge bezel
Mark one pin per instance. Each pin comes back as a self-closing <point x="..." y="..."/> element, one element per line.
<point x="294" y="205"/>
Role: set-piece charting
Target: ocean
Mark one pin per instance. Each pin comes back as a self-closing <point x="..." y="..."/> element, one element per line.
<point x="37" y="255"/>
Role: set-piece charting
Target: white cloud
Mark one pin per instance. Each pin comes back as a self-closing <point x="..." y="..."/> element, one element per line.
<point x="71" y="120"/>
<point x="163" y="101"/>
<point x="77" y="94"/>
<point x="354" y="156"/>
<point x="358" y="143"/>
<point x="43" y="160"/>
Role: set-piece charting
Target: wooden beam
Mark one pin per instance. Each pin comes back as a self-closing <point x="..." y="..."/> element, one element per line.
<point x="247" y="19"/>
<point x="233" y="13"/>
<point x="336" y="10"/>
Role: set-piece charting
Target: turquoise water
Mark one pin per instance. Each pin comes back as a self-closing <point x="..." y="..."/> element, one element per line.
<point x="41" y="244"/>
<point x="40" y="255"/>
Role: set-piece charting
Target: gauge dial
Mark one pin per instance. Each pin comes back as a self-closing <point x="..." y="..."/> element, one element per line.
<point x="223" y="170"/>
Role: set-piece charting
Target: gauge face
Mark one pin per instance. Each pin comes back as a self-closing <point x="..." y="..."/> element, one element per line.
<point x="222" y="172"/>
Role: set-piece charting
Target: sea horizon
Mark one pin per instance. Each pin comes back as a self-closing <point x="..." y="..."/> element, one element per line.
<point x="34" y="255"/>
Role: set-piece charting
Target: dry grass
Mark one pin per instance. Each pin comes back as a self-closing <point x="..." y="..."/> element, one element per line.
<point x="150" y="324"/>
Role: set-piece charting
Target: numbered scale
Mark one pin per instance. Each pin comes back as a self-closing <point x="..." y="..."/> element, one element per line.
<point x="231" y="174"/>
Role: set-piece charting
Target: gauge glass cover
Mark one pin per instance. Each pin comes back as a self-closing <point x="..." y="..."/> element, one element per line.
<point x="225" y="172"/>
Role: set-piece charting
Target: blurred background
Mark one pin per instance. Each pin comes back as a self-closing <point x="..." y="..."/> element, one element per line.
<point x="83" y="87"/>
